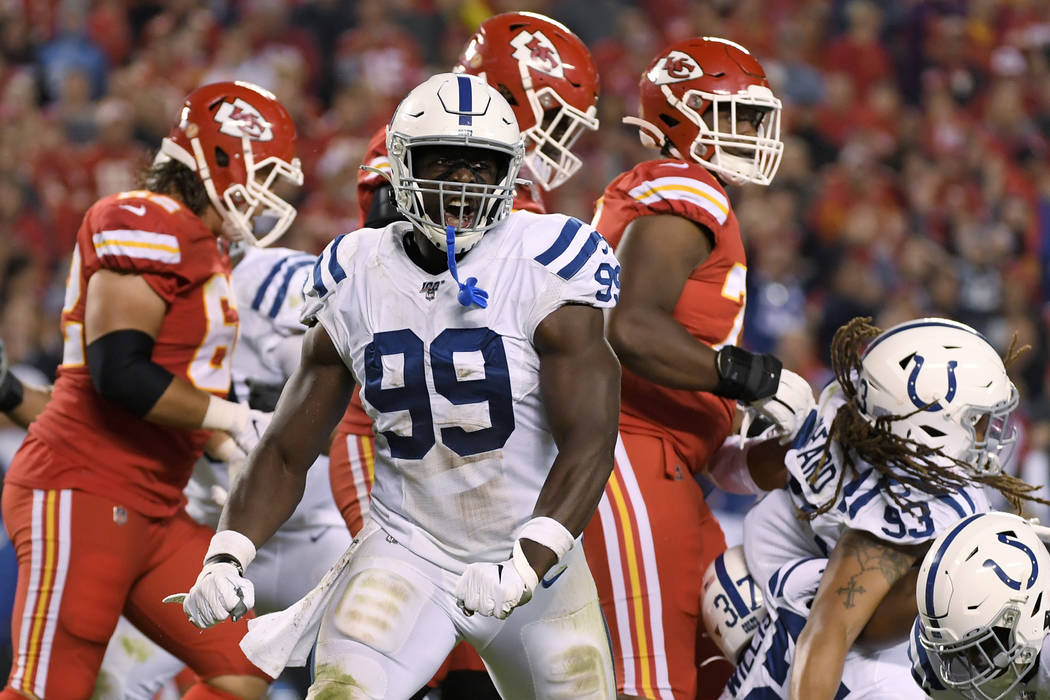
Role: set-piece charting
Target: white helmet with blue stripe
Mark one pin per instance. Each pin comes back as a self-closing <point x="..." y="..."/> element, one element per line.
<point x="947" y="384"/>
<point x="731" y="603"/>
<point x="983" y="595"/>
<point x="454" y="110"/>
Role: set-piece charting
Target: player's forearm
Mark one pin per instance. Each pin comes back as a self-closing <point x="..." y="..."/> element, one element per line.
<point x="820" y="654"/>
<point x="182" y="405"/>
<point x="581" y="391"/>
<point x="892" y="620"/>
<point x="577" y="479"/>
<point x="266" y="494"/>
<point x="656" y="347"/>
<point x="34" y="399"/>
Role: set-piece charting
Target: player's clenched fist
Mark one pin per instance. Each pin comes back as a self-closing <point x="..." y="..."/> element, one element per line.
<point x="221" y="590"/>
<point x="496" y="589"/>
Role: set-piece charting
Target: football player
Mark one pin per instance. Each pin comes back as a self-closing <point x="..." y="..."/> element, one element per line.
<point x="549" y="78"/>
<point x="268" y="285"/>
<point x="494" y="403"/>
<point x="93" y="499"/>
<point x="897" y="451"/>
<point x="982" y="595"/>
<point x="707" y="107"/>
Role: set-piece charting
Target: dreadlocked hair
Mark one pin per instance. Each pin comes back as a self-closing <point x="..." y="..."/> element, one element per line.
<point x="896" y="458"/>
<point x="172" y="177"/>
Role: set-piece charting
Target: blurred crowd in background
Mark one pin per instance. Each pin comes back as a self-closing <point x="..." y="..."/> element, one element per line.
<point x="915" y="179"/>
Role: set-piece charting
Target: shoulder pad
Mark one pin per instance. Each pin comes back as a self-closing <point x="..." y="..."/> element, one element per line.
<point x="562" y="244"/>
<point x="142" y="231"/>
<point x="265" y="280"/>
<point x="331" y="266"/>
<point x="677" y="187"/>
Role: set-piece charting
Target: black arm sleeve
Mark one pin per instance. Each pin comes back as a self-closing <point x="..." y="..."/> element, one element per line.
<point x="382" y="211"/>
<point x="123" y="371"/>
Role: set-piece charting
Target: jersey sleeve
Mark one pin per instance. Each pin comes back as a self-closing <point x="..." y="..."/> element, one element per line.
<point x="668" y="188"/>
<point x="579" y="267"/>
<point x="276" y="292"/>
<point x="141" y="237"/>
<point x="325" y="289"/>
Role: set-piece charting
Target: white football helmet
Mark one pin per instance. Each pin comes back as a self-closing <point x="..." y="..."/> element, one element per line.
<point x="950" y="380"/>
<point x="731" y="603"/>
<point x="453" y="110"/>
<point x="983" y="595"/>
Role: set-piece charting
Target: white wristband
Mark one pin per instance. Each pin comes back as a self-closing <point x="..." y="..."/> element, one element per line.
<point x="524" y="568"/>
<point x="234" y="544"/>
<point x="548" y="532"/>
<point x="225" y="415"/>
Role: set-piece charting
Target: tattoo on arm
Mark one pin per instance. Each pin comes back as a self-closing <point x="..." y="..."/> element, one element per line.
<point x="871" y="555"/>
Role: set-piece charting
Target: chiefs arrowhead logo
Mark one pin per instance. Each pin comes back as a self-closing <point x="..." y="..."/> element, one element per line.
<point x="675" y="67"/>
<point x="241" y="119"/>
<point x="537" y="52"/>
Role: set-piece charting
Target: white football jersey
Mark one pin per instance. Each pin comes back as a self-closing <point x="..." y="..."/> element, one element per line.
<point x="779" y="547"/>
<point x="1036" y="687"/>
<point x="268" y="287"/>
<point x="462" y="441"/>
<point x="865" y="501"/>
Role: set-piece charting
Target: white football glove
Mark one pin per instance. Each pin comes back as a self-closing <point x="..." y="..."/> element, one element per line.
<point x="220" y="592"/>
<point x="495" y="590"/>
<point x="248" y="436"/>
<point x="788" y="408"/>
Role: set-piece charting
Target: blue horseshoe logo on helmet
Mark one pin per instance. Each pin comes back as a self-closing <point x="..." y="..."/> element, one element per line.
<point x="914" y="396"/>
<point x="1015" y="585"/>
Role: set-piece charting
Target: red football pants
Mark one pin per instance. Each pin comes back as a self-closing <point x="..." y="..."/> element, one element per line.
<point x="85" y="559"/>
<point x="648" y="546"/>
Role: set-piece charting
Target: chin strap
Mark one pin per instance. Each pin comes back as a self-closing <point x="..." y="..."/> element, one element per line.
<point x="469" y="291"/>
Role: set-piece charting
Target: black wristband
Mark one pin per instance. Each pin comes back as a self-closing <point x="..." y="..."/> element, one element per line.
<point x="11" y="392"/>
<point x="225" y="559"/>
<point x="746" y="376"/>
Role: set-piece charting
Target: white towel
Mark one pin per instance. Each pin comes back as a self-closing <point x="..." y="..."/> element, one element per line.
<point x="285" y="638"/>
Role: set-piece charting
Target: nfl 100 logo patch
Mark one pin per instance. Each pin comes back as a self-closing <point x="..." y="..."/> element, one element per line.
<point x="429" y="289"/>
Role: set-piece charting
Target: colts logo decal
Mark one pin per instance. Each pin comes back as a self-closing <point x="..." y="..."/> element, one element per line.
<point x="675" y="67"/>
<point x="241" y="119"/>
<point x="914" y="396"/>
<point x="537" y="52"/>
<point x="429" y="289"/>
<point x="1005" y="538"/>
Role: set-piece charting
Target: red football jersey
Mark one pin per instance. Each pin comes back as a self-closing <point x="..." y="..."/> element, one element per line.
<point x="526" y="197"/>
<point x="85" y="442"/>
<point x="711" y="306"/>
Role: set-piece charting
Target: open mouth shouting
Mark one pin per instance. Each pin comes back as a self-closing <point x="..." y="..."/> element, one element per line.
<point x="460" y="210"/>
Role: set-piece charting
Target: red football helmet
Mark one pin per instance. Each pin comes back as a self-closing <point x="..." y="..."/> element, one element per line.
<point x="239" y="139"/>
<point x="548" y="77"/>
<point x="720" y="80"/>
